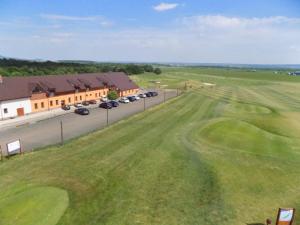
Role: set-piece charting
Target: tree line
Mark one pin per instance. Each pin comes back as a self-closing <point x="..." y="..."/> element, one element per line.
<point x="14" y="67"/>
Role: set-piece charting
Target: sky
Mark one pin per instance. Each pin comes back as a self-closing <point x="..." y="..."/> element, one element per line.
<point x="187" y="31"/>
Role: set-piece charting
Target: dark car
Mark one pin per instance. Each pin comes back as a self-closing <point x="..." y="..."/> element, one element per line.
<point x="131" y="98"/>
<point x="66" y="107"/>
<point x="151" y="94"/>
<point x="85" y="103"/>
<point x="105" y="105"/>
<point x="93" y="102"/>
<point x="154" y="93"/>
<point x="148" y="94"/>
<point x="82" y="111"/>
<point x="114" y="103"/>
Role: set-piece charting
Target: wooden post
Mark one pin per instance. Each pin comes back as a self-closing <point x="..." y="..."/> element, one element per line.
<point x="144" y="104"/>
<point x="61" y="133"/>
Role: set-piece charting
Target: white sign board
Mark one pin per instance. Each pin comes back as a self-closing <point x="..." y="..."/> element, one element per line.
<point x="286" y="215"/>
<point x="14" y="147"/>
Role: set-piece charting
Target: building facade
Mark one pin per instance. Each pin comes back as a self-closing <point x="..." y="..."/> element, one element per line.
<point x="23" y="95"/>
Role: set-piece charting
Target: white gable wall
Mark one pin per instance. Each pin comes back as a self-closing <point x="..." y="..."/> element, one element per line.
<point x="12" y="106"/>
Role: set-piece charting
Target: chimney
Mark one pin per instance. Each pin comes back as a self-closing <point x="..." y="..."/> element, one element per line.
<point x="1" y="79"/>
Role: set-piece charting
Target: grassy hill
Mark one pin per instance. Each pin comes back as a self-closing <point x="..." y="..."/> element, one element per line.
<point x="227" y="154"/>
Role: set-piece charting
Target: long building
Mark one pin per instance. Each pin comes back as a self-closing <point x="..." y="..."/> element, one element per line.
<point x="24" y="95"/>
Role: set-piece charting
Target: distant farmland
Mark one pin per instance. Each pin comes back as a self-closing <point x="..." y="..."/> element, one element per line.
<point x="228" y="154"/>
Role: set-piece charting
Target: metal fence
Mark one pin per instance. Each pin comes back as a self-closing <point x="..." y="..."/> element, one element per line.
<point x="58" y="129"/>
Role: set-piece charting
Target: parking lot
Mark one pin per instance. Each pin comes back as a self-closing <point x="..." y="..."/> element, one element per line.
<point x="48" y="131"/>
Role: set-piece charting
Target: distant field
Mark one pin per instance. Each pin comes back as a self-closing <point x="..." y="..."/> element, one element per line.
<point x="228" y="154"/>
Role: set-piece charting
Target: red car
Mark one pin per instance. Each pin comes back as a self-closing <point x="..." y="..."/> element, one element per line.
<point x="93" y="102"/>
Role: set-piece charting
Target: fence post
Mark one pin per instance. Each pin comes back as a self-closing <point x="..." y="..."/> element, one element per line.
<point x="61" y="133"/>
<point x="1" y="154"/>
<point x="107" y="117"/>
<point x="144" y="104"/>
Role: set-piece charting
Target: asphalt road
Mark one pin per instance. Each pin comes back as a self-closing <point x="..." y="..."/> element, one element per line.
<point x="48" y="132"/>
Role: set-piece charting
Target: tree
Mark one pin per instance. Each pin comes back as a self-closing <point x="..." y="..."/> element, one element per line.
<point x="112" y="95"/>
<point x="157" y="71"/>
<point x="148" y="68"/>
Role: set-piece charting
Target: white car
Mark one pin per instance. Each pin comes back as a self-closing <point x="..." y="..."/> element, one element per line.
<point x="142" y="96"/>
<point x="137" y="97"/>
<point x="124" y="100"/>
<point x="104" y="99"/>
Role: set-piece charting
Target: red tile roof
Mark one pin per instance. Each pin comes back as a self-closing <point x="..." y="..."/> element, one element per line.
<point x="22" y="87"/>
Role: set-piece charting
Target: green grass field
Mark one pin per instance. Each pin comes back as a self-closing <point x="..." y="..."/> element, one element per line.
<point x="227" y="154"/>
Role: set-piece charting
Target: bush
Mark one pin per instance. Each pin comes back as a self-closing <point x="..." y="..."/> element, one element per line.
<point x="157" y="71"/>
<point x="112" y="95"/>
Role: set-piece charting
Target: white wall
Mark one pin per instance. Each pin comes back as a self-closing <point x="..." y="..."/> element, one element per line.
<point x="12" y="106"/>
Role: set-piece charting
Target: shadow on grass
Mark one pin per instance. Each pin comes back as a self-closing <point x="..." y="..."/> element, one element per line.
<point x="255" y="224"/>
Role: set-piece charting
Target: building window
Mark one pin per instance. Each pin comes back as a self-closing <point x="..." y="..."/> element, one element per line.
<point x="36" y="106"/>
<point x="96" y="94"/>
<point x="51" y="103"/>
<point x="80" y="97"/>
<point x="56" y="102"/>
<point x="76" y="98"/>
<point x="42" y="104"/>
<point x="90" y="94"/>
<point x="5" y="110"/>
<point x="69" y="100"/>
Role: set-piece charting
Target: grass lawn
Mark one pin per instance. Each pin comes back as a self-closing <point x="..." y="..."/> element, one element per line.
<point x="215" y="155"/>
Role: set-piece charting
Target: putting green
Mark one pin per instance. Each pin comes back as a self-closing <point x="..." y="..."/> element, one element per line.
<point x="34" y="206"/>
<point x="239" y="135"/>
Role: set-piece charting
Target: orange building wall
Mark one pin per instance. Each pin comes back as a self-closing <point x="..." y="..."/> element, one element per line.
<point x="129" y="92"/>
<point x="40" y="102"/>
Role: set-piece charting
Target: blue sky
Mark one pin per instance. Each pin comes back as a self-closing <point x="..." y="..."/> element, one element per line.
<point x="207" y="31"/>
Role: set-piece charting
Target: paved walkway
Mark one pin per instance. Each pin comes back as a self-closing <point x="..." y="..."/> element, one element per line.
<point x="37" y="132"/>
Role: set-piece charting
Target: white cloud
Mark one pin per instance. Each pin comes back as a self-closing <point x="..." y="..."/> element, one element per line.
<point x="165" y="6"/>
<point x="95" y="19"/>
<point x="219" y="21"/>
<point x="68" y="18"/>
<point x="203" y="38"/>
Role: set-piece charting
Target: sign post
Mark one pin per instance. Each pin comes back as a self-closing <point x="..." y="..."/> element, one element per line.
<point x="14" y="148"/>
<point x="285" y="216"/>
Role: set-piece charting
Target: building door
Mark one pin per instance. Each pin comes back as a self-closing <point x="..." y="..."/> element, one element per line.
<point x="20" y="111"/>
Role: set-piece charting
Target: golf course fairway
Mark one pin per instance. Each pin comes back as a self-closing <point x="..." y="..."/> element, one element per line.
<point x="227" y="154"/>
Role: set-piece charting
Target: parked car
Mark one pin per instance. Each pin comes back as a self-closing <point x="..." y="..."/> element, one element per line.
<point x="66" y="107"/>
<point x="124" y="100"/>
<point x="114" y="103"/>
<point x="137" y="97"/>
<point x="105" y="105"/>
<point x="154" y="93"/>
<point x="131" y="98"/>
<point x="82" y="111"/>
<point x="85" y="103"/>
<point x="148" y="94"/>
<point x="151" y="94"/>
<point x="93" y="102"/>
<point x="78" y="105"/>
<point x="104" y="99"/>
<point x="142" y="95"/>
